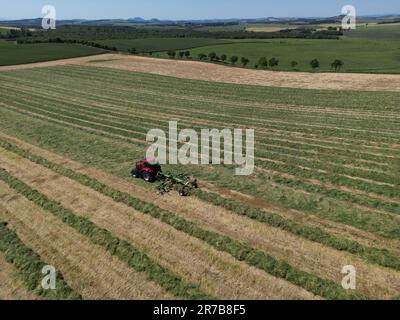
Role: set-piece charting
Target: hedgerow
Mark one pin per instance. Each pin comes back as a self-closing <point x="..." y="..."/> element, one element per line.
<point x="30" y="265"/>
<point x="241" y="251"/>
<point x="120" y="248"/>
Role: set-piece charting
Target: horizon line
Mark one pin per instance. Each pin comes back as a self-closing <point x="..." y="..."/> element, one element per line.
<point x="203" y="19"/>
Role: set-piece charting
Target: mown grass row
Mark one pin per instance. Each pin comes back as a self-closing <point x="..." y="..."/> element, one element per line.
<point x="377" y="176"/>
<point x="296" y="184"/>
<point x="241" y="251"/>
<point x="338" y="131"/>
<point x="331" y="192"/>
<point x="331" y="98"/>
<point x="239" y="116"/>
<point x="29" y="266"/>
<point x="114" y="96"/>
<point x="110" y="155"/>
<point x="228" y="111"/>
<point x="279" y="153"/>
<point x="341" y="180"/>
<point x="379" y="256"/>
<point x="374" y="255"/>
<point x="117" y="247"/>
<point x="129" y="120"/>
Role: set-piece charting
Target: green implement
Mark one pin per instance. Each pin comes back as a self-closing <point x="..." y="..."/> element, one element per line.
<point x="180" y="182"/>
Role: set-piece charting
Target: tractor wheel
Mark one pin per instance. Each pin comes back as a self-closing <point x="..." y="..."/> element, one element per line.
<point x="184" y="191"/>
<point x="147" y="177"/>
<point x="135" y="173"/>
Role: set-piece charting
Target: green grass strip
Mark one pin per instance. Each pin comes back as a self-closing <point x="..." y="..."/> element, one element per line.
<point x="379" y="256"/>
<point x="120" y="248"/>
<point x="30" y="265"/>
<point x="243" y="252"/>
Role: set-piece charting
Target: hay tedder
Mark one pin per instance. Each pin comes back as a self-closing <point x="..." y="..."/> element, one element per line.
<point x="150" y="171"/>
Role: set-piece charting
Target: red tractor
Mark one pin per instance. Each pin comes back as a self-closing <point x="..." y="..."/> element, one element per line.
<point x="147" y="169"/>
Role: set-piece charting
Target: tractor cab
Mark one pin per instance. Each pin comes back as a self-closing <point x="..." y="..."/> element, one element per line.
<point x="147" y="169"/>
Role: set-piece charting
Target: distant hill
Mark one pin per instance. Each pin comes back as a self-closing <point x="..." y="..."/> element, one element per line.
<point x="37" y="22"/>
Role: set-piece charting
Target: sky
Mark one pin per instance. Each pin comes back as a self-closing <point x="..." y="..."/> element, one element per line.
<point x="192" y="9"/>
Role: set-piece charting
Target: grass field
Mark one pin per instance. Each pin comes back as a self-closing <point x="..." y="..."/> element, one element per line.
<point x="357" y="55"/>
<point x="376" y="32"/>
<point x="161" y="44"/>
<point x="269" y="27"/>
<point x="12" y="54"/>
<point x="325" y="192"/>
<point x="3" y="31"/>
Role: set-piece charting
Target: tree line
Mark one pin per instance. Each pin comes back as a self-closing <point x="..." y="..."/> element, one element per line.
<point x="89" y="33"/>
<point x="263" y="62"/>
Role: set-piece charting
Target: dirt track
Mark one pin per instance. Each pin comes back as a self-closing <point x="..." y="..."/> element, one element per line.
<point x="217" y="73"/>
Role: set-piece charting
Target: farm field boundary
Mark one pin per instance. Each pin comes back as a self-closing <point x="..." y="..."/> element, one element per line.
<point x="216" y="73"/>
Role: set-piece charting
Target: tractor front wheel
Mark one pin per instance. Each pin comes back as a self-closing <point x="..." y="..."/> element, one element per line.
<point x="135" y="173"/>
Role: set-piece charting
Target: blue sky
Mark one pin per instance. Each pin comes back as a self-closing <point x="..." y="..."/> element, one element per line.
<point x="192" y="9"/>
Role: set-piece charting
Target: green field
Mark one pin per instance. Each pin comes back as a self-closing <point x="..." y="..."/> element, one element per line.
<point x="3" y="31"/>
<point x="376" y="32"/>
<point x="13" y="54"/>
<point x="358" y="55"/>
<point x="160" y="44"/>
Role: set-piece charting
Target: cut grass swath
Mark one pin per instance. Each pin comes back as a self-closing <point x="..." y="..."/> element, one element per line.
<point x="379" y="256"/>
<point x="30" y="265"/>
<point x="281" y="269"/>
<point x="120" y="248"/>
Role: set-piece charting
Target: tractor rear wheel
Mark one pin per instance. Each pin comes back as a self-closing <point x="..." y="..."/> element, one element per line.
<point x="148" y="177"/>
<point x="184" y="191"/>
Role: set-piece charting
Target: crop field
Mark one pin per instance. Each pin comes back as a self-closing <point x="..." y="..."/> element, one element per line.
<point x="12" y="54"/>
<point x="358" y="55"/>
<point x="325" y="192"/>
<point x="390" y="31"/>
